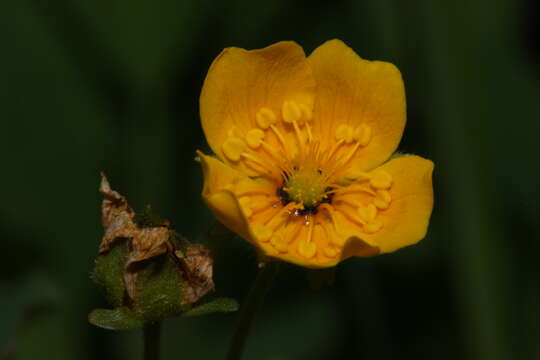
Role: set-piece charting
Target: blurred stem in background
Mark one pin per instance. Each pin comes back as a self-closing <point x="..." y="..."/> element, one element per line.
<point x="457" y="109"/>
<point x="251" y="305"/>
<point x="451" y="39"/>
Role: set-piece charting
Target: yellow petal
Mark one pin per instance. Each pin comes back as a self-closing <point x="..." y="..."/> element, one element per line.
<point x="218" y="195"/>
<point x="406" y="220"/>
<point x="356" y="92"/>
<point x="246" y="89"/>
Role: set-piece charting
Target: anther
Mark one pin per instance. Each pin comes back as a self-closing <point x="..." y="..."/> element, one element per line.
<point x="367" y="213"/>
<point x="381" y="180"/>
<point x="362" y="134"/>
<point x="307" y="248"/>
<point x="382" y="199"/>
<point x="344" y="132"/>
<point x="279" y="243"/>
<point x="262" y="233"/>
<point x="373" y="226"/>
<point x="290" y="111"/>
<point x="254" y="138"/>
<point x="330" y="252"/>
<point x="265" y="117"/>
<point x="307" y="113"/>
<point x="233" y="148"/>
<point x="336" y="239"/>
<point x="357" y="174"/>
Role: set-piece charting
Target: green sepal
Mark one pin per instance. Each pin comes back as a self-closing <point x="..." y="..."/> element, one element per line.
<point x="108" y="272"/>
<point x="118" y="319"/>
<point x="159" y="290"/>
<point x="222" y="305"/>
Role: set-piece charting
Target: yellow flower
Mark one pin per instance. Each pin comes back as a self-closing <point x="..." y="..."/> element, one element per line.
<point x="303" y="146"/>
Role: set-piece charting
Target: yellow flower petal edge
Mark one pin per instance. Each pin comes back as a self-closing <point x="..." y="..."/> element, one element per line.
<point x="404" y="221"/>
<point x="246" y="89"/>
<point x="301" y="146"/>
<point x="218" y="195"/>
<point x="358" y="93"/>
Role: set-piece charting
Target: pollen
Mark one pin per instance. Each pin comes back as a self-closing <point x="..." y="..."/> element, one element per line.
<point x="233" y="148"/>
<point x="265" y="117"/>
<point x="254" y="138"/>
<point x="291" y="112"/>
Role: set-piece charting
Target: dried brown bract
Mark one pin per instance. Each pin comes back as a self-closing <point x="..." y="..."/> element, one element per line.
<point x="193" y="262"/>
<point x="198" y="264"/>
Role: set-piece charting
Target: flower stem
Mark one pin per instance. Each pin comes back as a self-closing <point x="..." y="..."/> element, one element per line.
<point x="254" y="300"/>
<point x="152" y="335"/>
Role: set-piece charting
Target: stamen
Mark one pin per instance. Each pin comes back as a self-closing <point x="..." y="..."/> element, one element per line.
<point x="333" y="150"/>
<point x="344" y="132"/>
<point x="282" y="140"/>
<point x="258" y="161"/>
<point x="265" y="117"/>
<point x="354" y="188"/>
<point x="348" y="157"/>
<point x="254" y="138"/>
<point x="382" y="199"/>
<point x="307" y="113"/>
<point x="279" y="243"/>
<point x="330" y="252"/>
<point x="362" y="134"/>
<point x="348" y="202"/>
<point x="290" y="111"/>
<point x="262" y="233"/>
<point x="367" y="213"/>
<point x="299" y="137"/>
<point x="373" y="226"/>
<point x="333" y="237"/>
<point x="310" y="135"/>
<point x="233" y="148"/>
<point x="350" y="217"/>
<point x="381" y="180"/>
<point x="279" y="217"/>
<point x="271" y="151"/>
<point x="306" y="247"/>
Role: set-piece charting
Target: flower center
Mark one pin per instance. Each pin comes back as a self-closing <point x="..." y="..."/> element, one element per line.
<point x="307" y="187"/>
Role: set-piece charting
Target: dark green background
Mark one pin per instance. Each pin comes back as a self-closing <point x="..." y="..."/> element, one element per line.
<point x="111" y="85"/>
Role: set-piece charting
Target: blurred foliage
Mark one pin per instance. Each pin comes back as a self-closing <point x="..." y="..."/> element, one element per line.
<point x="99" y="85"/>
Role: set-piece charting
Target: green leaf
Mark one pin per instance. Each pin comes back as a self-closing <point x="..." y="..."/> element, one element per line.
<point x="216" y="305"/>
<point x="117" y="319"/>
